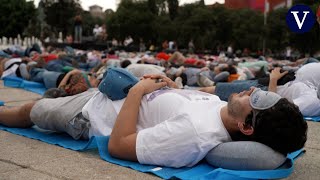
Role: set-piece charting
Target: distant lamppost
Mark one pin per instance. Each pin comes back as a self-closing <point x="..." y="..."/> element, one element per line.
<point x="266" y="10"/>
<point x="41" y="18"/>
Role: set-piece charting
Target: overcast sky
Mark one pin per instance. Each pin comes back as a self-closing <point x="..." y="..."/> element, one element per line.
<point x="111" y="4"/>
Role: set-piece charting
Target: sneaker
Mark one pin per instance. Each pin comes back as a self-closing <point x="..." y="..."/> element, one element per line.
<point x="204" y="81"/>
<point x="178" y="82"/>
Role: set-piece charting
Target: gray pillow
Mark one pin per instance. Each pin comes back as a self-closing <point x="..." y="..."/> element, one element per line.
<point x="245" y="155"/>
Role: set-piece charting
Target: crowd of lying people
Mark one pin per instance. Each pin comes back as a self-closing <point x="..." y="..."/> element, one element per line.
<point x="139" y="129"/>
<point x="75" y="71"/>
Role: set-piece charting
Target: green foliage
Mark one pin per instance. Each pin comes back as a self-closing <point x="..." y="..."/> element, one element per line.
<point x="60" y="15"/>
<point x="247" y="28"/>
<point x="173" y="6"/>
<point x="277" y="27"/>
<point x="131" y="18"/>
<point x="159" y="20"/>
<point x="201" y="3"/>
<point x="15" y="16"/>
<point x="153" y="6"/>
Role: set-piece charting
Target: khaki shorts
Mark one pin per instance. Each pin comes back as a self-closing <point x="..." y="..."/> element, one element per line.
<point x="63" y="114"/>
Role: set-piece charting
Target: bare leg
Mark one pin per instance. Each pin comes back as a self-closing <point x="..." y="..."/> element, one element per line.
<point x="173" y="57"/>
<point x="16" y="116"/>
<point x="2" y="61"/>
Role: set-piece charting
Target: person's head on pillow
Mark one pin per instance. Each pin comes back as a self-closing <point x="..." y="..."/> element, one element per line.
<point x="268" y="118"/>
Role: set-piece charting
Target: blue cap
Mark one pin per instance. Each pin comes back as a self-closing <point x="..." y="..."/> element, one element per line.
<point x="116" y="83"/>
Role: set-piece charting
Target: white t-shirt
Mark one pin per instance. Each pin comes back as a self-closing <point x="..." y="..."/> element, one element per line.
<point x="97" y="31"/>
<point x="12" y="70"/>
<point x="309" y="74"/>
<point x="175" y="128"/>
<point x="302" y="95"/>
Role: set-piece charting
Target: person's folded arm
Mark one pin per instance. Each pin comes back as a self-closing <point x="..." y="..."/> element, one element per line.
<point x="122" y="142"/>
<point x="67" y="77"/>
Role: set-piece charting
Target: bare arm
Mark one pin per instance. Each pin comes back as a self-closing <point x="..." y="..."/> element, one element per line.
<point x="67" y="77"/>
<point x="2" y="66"/>
<point x="122" y="142"/>
<point x="210" y="90"/>
<point x="274" y="77"/>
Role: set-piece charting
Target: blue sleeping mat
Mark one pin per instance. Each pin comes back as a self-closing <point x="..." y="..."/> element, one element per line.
<point x="16" y="82"/>
<point x="201" y="171"/>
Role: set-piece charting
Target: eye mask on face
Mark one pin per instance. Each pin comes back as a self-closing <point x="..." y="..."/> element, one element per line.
<point x="262" y="100"/>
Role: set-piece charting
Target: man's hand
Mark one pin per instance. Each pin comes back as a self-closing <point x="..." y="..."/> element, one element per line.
<point x="122" y="142"/>
<point x="148" y="85"/>
<point x="276" y="74"/>
<point x="170" y="83"/>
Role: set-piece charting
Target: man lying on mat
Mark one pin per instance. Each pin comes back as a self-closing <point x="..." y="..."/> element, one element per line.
<point x="157" y="124"/>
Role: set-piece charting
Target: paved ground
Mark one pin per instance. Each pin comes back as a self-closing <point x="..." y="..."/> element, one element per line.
<point x="23" y="158"/>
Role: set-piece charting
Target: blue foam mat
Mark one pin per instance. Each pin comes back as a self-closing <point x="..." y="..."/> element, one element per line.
<point x="312" y="118"/>
<point x="16" y="82"/>
<point x="1" y="103"/>
<point x="60" y="139"/>
<point x="200" y="171"/>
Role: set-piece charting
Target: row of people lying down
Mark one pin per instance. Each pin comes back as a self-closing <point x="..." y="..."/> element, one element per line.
<point x="300" y="87"/>
<point x="54" y="73"/>
<point x="303" y="90"/>
<point x="71" y="81"/>
<point x="167" y="126"/>
<point x="55" y="60"/>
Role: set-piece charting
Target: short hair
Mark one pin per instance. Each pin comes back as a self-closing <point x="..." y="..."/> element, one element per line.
<point x="125" y="63"/>
<point x="281" y="127"/>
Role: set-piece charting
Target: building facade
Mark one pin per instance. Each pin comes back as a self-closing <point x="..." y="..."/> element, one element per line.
<point x="96" y="11"/>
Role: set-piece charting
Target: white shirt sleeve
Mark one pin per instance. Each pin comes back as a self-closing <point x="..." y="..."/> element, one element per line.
<point x="308" y="105"/>
<point x="172" y="143"/>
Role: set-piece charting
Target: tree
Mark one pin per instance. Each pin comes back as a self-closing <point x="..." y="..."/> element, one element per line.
<point x="15" y="16"/>
<point x="195" y="22"/>
<point x="247" y="29"/>
<point x="132" y="18"/>
<point x="201" y="2"/>
<point x="153" y="6"/>
<point x="277" y="30"/>
<point x="60" y="14"/>
<point x="173" y="6"/>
